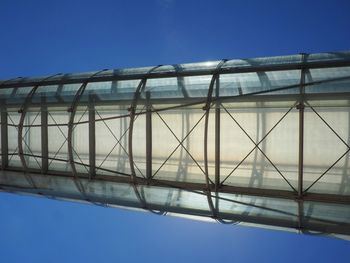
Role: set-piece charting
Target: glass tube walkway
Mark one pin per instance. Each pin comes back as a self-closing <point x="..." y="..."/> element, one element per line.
<point x="261" y="141"/>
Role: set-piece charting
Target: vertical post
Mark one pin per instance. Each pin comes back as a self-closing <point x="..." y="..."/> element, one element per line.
<point x="217" y="136"/>
<point x="148" y="136"/>
<point x="301" y="107"/>
<point x="44" y="136"/>
<point x="92" y="138"/>
<point x="4" y="137"/>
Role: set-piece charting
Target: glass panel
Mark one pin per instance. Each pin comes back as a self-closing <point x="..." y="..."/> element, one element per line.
<point x="57" y="137"/>
<point x="12" y="133"/>
<point x="321" y="74"/>
<point x="326" y="214"/>
<point x="242" y="163"/>
<point x="259" y="207"/>
<point x="322" y="148"/>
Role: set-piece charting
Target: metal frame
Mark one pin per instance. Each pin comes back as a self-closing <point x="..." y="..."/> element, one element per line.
<point x="212" y="190"/>
<point x="20" y="138"/>
<point x="72" y="110"/>
<point x="176" y="74"/>
<point x="148" y="136"/>
<point x="44" y="136"/>
<point x="92" y="136"/>
<point x="301" y="107"/>
<point x="4" y="137"/>
<point x="132" y="110"/>
<point x="206" y="108"/>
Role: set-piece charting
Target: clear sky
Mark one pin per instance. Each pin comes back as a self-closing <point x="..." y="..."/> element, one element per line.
<point x="47" y="37"/>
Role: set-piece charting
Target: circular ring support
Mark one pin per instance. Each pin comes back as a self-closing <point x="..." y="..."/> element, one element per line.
<point x="72" y="110"/>
<point x="132" y="115"/>
<point x="207" y="106"/>
<point x="23" y="112"/>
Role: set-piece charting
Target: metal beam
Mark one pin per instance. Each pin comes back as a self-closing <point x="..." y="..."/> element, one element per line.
<point x="44" y="136"/>
<point x="236" y="190"/>
<point x="148" y="136"/>
<point x="132" y="114"/>
<point x="217" y="137"/>
<point x="207" y="107"/>
<point x="72" y="110"/>
<point x="23" y="111"/>
<point x="4" y="137"/>
<point x="301" y="130"/>
<point x="92" y="138"/>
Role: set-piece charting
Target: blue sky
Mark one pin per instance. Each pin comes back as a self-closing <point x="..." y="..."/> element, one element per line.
<point x="47" y="37"/>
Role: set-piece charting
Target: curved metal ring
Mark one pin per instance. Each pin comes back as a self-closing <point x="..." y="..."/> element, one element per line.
<point x="23" y="111"/>
<point x="207" y="110"/>
<point x="132" y="110"/>
<point x="72" y="110"/>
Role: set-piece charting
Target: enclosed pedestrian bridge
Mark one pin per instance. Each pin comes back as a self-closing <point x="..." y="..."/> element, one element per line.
<point x="262" y="141"/>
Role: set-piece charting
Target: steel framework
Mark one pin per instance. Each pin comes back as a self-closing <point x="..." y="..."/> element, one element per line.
<point x="261" y="141"/>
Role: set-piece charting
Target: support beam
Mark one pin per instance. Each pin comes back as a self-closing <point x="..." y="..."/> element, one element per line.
<point x="148" y="136"/>
<point x="217" y="138"/>
<point x="132" y="109"/>
<point x="206" y="108"/>
<point x="4" y="137"/>
<point x="301" y="130"/>
<point x="44" y="136"/>
<point x="72" y="110"/>
<point x="92" y="138"/>
<point x="132" y="113"/>
<point x="189" y="186"/>
<point x="23" y="111"/>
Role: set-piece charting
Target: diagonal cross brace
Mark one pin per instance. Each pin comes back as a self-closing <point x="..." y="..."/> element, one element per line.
<point x="257" y="144"/>
<point x="257" y="147"/>
<point x="338" y="136"/>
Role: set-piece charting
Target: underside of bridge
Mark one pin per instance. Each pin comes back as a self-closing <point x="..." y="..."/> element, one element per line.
<point x="261" y="141"/>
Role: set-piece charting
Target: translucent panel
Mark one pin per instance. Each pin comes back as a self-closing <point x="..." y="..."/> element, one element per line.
<point x="275" y="134"/>
<point x="329" y="214"/>
<point x="182" y="87"/>
<point x="174" y="198"/>
<point x="178" y="145"/>
<point x="110" y="90"/>
<point x="55" y="93"/>
<point x="32" y="140"/>
<point x="323" y="149"/>
<point x="166" y="88"/>
<point x="139" y="145"/>
<point x="329" y="57"/>
<point x="328" y="74"/>
<point x="14" y="179"/>
<point x="12" y="130"/>
<point x="265" y="61"/>
<point x="57" y="136"/>
<point x="195" y="67"/>
<point x="15" y="96"/>
<point x="260" y="207"/>
<point x="112" y="141"/>
<point x="246" y="83"/>
<point x="80" y="140"/>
